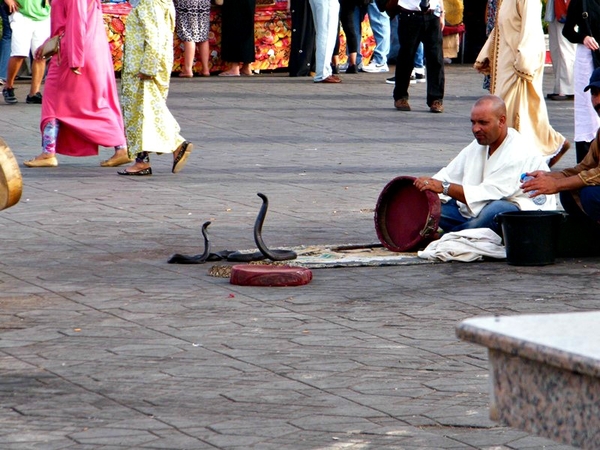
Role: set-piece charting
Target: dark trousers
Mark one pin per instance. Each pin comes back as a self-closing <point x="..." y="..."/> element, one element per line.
<point x="590" y="202"/>
<point x="347" y="19"/>
<point x="412" y="29"/>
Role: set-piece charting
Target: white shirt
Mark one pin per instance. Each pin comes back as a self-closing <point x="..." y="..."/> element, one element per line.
<point x="497" y="177"/>
<point x="413" y="5"/>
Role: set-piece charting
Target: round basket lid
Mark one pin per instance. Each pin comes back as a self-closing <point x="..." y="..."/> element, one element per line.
<point x="264" y="275"/>
<point x="11" y="181"/>
<point x="406" y="218"/>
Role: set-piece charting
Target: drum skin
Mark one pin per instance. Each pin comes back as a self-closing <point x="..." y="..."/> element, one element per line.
<point x="11" y="181"/>
<point x="406" y="219"/>
<point x="265" y="275"/>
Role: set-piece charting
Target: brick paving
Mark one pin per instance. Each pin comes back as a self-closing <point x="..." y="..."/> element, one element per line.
<point x="103" y="345"/>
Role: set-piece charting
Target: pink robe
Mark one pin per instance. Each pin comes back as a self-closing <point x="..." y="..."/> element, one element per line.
<point x="87" y="105"/>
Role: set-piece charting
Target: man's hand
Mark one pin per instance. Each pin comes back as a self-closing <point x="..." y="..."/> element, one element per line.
<point x="483" y="67"/>
<point x="428" y="184"/>
<point x="541" y="184"/>
<point x="13" y="6"/>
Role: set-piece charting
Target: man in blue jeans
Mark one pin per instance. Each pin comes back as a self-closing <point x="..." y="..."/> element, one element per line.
<point x="4" y="43"/>
<point x="484" y="179"/>
<point x="380" y="25"/>
<point x="579" y="186"/>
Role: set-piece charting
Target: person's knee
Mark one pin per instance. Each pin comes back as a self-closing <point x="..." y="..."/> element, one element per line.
<point x="590" y="201"/>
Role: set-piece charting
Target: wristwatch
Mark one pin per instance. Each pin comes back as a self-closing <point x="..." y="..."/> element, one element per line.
<point x="445" y="187"/>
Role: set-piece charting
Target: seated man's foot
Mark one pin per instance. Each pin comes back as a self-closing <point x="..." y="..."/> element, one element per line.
<point x="137" y="169"/>
<point x="118" y="159"/>
<point x="43" y="160"/>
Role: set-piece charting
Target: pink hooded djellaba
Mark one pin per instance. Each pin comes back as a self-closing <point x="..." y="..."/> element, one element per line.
<point x="87" y="105"/>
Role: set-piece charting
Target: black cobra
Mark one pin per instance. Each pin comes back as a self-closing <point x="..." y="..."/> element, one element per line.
<point x="198" y="259"/>
<point x="237" y="256"/>
<point x="273" y="255"/>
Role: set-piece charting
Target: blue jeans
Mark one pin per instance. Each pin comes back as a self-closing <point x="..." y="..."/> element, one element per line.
<point x="326" y="16"/>
<point x="590" y="201"/>
<point x="380" y="25"/>
<point x="4" y="42"/>
<point x="452" y="220"/>
<point x="395" y="45"/>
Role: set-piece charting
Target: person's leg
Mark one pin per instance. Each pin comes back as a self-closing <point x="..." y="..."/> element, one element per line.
<point x="322" y="62"/>
<point x="450" y="216"/>
<point x="48" y="156"/>
<point x="189" y="52"/>
<point x="38" y="68"/>
<point x="347" y="21"/>
<point x="4" y="42"/>
<point x="434" y="59"/>
<point x="204" y="54"/>
<point x="332" y="26"/>
<point x="359" y="15"/>
<point x="486" y="217"/>
<point x="570" y="205"/>
<point x="394" y="44"/>
<point x="590" y="201"/>
<point x="581" y="149"/>
<point x="380" y="25"/>
<point x="408" y="35"/>
<point x="14" y="64"/>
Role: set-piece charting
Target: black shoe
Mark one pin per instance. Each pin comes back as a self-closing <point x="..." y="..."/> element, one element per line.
<point x="391" y="80"/>
<point x="35" y="99"/>
<point x="9" y="96"/>
<point x="352" y="69"/>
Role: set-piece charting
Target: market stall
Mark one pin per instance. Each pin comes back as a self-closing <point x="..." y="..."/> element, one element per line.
<point x="272" y="32"/>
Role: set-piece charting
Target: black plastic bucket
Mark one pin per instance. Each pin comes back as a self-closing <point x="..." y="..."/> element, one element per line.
<point x="530" y="237"/>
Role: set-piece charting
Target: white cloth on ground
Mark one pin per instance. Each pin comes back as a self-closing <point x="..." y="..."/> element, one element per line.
<point x="466" y="246"/>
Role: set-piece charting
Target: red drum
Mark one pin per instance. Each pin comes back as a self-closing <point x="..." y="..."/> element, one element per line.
<point x="11" y="181"/>
<point x="264" y="275"/>
<point x="406" y="219"/>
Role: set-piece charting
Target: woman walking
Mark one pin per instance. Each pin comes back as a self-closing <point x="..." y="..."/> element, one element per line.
<point x="81" y="107"/>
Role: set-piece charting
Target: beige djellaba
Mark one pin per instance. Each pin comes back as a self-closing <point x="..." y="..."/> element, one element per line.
<point x="516" y="53"/>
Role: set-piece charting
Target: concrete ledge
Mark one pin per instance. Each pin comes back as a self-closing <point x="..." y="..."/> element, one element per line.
<point x="544" y="373"/>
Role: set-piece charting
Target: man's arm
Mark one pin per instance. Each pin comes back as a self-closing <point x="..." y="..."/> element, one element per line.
<point x="455" y="191"/>
<point x="551" y="182"/>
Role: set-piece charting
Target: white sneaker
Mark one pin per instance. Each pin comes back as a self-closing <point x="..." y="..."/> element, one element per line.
<point x="372" y="67"/>
<point x="417" y="78"/>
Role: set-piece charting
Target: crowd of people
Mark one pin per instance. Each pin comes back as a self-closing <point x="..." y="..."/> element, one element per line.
<point x="477" y="185"/>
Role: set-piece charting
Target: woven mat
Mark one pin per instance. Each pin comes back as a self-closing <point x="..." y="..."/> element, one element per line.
<point x="329" y="256"/>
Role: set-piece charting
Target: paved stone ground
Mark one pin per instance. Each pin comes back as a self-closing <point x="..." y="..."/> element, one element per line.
<point x="105" y="346"/>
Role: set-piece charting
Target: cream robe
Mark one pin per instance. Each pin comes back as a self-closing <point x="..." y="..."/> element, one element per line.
<point x="516" y="52"/>
<point x="495" y="178"/>
<point x="149" y="124"/>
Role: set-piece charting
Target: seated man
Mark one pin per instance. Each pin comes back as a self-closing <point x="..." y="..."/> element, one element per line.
<point x="484" y="179"/>
<point x="579" y="186"/>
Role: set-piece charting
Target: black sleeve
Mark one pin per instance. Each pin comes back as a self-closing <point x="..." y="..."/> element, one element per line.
<point x="574" y="18"/>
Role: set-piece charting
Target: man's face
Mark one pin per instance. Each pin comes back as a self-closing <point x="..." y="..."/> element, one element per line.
<point x="595" y="92"/>
<point x="485" y="125"/>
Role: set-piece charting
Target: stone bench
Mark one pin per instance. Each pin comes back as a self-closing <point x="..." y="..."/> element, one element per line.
<point x="544" y="373"/>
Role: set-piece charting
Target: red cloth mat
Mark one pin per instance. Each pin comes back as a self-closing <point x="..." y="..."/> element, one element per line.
<point x="263" y="275"/>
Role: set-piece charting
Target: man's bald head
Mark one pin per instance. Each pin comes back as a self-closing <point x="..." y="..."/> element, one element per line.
<point x="493" y="103"/>
<point x="488" y="121"/>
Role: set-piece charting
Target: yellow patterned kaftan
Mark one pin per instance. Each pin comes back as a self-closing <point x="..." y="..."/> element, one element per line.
<point x="516" y="52"/>
<point x="149" y="125"/>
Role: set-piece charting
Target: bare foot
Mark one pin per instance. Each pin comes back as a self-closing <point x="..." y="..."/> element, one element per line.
<point x="137" y="166"/>
<point x="186" y="74"/>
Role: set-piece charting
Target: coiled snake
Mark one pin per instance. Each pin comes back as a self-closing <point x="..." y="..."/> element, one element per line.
<point x="237" y="256"/>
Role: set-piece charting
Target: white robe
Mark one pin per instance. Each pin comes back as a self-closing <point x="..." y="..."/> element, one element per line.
<point x="495" y="178"/>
